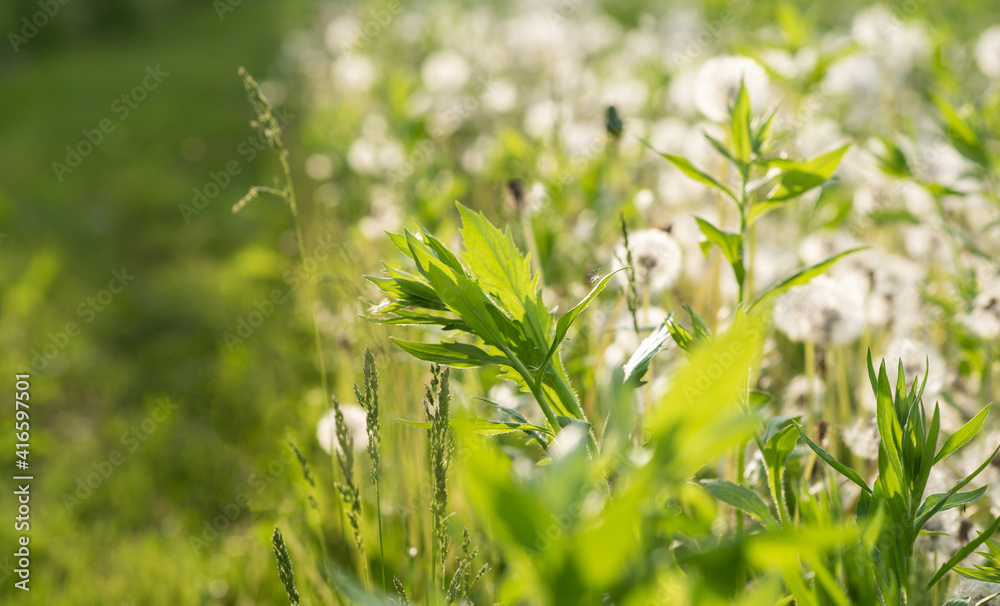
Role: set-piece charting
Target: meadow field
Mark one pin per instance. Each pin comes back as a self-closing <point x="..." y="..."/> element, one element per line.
<point x="523" y="303"/>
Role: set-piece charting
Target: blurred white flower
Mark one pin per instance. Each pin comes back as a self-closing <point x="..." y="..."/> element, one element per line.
<point x="353" y="73"/>
<point x="445" y="72"/>
<point x="862" y="439"/>
<point x="983" y="320"/>
<point x="718" y="83"/>
<point x="656" y="259"/>
<point x="988" y="52"/>
<point x="802" y="396"/>
<point x="354" y="417"/>
<point x="824" y="311"/>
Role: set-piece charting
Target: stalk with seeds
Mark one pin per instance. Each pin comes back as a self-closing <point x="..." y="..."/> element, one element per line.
<point x="269" y="126"/>
<point x="369" y="402"/>
<point x="437" y="398"/>
<point x="403" y="600"/>
<point x="631" y="292"/>
<point x="350" y="492"/>
<point x="285" y="572"/>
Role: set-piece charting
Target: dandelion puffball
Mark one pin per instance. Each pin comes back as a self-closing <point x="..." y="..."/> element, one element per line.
<point x="718" y="83"/>
<point x="354" y="417"/>
<point x="825" y="311"/>
<point x="984" y="318"/>
<point x="656" y="259"/>
<point x="988" y="52"/>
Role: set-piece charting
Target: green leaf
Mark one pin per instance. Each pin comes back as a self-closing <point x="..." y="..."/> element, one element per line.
<point x="457" y="355"/>
<point x="965" y="433"/>
<point x="730" y="243"/>
<point x="933" y="508"/>
<point x="689" y="169"/>
<point x="637" y="365"/>
<point x="802" y="277"/>
<point x="501" y="270"/>
<point x="955" y="500"/>
<point x="807" y="175"/>
<point x="566" y="320"/>
<point x="844" y="470"/>
<point x="960" y="132"/>
<point x="780" y="446"/>
<point x="741" y="498"/>
<point x="742" y="145"/>
<point x="964" y="552"/>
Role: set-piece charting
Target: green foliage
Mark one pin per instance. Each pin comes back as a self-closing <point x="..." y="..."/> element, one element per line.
<point x="490" y="293"/>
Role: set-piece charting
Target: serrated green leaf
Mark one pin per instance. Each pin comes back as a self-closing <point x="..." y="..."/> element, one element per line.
<point x="457" y="355"/>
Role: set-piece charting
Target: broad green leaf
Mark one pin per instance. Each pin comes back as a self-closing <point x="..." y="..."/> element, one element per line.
<point x="689" y="169"/>
<point x="457" y="355"/>
<point x="501" y="270"/>
<point x="801" y="277"/>
<point x="964" y="552"/>
<point x="698" y="417"/>
<point x="809" y="174"/>
<point x="965" y="433"/>
<point x="933" y="508"/>
<point x="844" y="470"/>
<point x="741" y="498"/>
<point x="742" y="145"/>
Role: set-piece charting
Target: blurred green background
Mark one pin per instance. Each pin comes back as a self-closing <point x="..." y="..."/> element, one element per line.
<point x="196" y="277"/>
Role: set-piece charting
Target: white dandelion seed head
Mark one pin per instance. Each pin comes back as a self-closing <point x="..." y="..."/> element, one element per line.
<point x="354" y="417"/>
<point x="445" y="72"/>
<point x="918" y="358"/>
<point x="983" y="320"/>
<point x="802" y="396"/>
<point x="988" y="52"/>
<point x="354" y="73"/>
<point x="718" y="83"/>
<point x="825" y="311"/>
<point x="656" y="259"/>
<point x="862" y="439"/>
